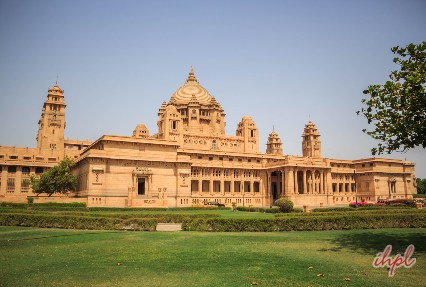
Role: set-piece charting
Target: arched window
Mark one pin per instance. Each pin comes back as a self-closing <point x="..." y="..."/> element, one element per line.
<point x="213" y="144"/>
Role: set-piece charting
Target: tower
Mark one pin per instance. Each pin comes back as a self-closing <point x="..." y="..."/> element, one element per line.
<point x="248" y="130"/>
<point x="311" y="145"/>
<point x="274" y="145"/>
<point x="52" y="121"/>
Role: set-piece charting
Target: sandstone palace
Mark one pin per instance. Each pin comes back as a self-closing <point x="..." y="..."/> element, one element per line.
<point x="191" y="157"/>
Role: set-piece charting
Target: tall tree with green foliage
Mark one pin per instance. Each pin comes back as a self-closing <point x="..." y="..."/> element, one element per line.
<point x="398" y="108"/>
<point x="57" y="179"/>
<point x="421" y="185"/>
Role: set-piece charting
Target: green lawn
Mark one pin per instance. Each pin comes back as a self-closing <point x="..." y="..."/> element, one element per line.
<point x="205" y="259"/>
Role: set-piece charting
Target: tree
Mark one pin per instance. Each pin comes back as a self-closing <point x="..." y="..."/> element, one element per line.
<point x="398" y="108"/>
<point x="284" y="204"/>
<point x="58" y="179"/>
<point x="421" y="185"/>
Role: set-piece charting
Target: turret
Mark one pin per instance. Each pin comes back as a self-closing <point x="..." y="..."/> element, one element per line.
<point x="311" y="145"/>
<point x="274" y="145"/>
<point x="248" y="130"/>
<point x="52" y="121"/>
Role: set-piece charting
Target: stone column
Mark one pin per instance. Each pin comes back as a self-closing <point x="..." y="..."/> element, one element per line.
<point x="18" y="179"/>
<point x="3" y="179"/>
<point x="282" y="182"/>
<point x="232" y="182"/>
<point x="289" y="180"/>
<point x="200" y="181"/>
<point x="321" y="183"/>
<point x="296" y="183"/>
<point x="268" y="186"/>
<point x="329" y="183"/>
<point x="211" y="182"/>
<point x="251" y="183"/>
<point x="222" y="182"/>
<point x="305" y="190"/>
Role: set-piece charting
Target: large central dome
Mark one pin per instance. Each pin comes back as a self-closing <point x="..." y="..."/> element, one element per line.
<point x="184" y="94"/>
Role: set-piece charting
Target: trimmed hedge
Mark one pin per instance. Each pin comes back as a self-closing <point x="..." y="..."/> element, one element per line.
<point x="259" y="209"/>
<point x="155" y="208"/>
<point x="200" y="208"/>
<point x="306" y="223"/>
<point x="15" y="205"/>
<point x="343" y="209"/>
<point x="128" y="209"/>
<point x="161" y="217"/>
<point x="77" y="222"/>
<point x="44" y="204"/>
<point x="385" y="211"/>
<point x="419" y="195"/>
<point x="53" y="208"/>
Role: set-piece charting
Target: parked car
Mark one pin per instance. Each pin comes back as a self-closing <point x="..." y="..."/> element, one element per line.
<point x="215" y="203"/>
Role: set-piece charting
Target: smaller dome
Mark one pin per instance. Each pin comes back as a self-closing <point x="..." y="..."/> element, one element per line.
<point x="171" y="108"/>
<point x="247" y="118"/>
<point x="141" y="131"/>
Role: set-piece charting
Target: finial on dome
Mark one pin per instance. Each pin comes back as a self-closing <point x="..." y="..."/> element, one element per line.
<point x="191" y="77"/>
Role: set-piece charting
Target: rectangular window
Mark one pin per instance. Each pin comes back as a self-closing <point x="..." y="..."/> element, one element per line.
<point x="220" y="158"/>
<point x="200" y="157"/>
<point x="210" y="158"/>
<point x="249" y="160"/>
<point x="13" y="157"/>
<point x="258" y="160"/>
<point x="27" y="158"/>
<point x="10" y="185"/>
<point x="231" y="159"/>
<point x="240" y="159"/>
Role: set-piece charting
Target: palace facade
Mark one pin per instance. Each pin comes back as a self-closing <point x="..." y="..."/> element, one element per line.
<point x="191" y="159"/>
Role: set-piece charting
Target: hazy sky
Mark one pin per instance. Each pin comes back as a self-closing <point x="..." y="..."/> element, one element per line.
<point x="281" y="62"/>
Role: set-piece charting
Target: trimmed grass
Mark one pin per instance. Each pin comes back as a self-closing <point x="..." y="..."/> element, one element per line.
<point x="205" y="259"/>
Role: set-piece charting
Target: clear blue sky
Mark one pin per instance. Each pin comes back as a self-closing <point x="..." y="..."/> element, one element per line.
<point x="281" y="62"/>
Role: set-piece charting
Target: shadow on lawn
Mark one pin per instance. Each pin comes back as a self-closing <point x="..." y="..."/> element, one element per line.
<point x="373" y="242"/>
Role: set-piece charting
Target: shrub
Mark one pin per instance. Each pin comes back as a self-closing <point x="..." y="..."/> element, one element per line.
<point x="284" y="204"/>
<point x="45" y="204"/>
<point x="128" y="209"/>
<point x="30" y="200"/>
<point x="407" y="202"/>
<point x="77" y="222"/>
<point x="419" y="195"/>
<point x="15" y="205"/>
<point x="259" y="209"/>
<point x="201" y="208"/>
<point x="160" y="217"/>
<point x="307" y="223"/>
<point x="380" y="211"/>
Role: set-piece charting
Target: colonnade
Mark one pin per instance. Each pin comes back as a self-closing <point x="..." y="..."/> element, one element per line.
<point x="302" y="180"/>
<point x="229" y="181"/>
